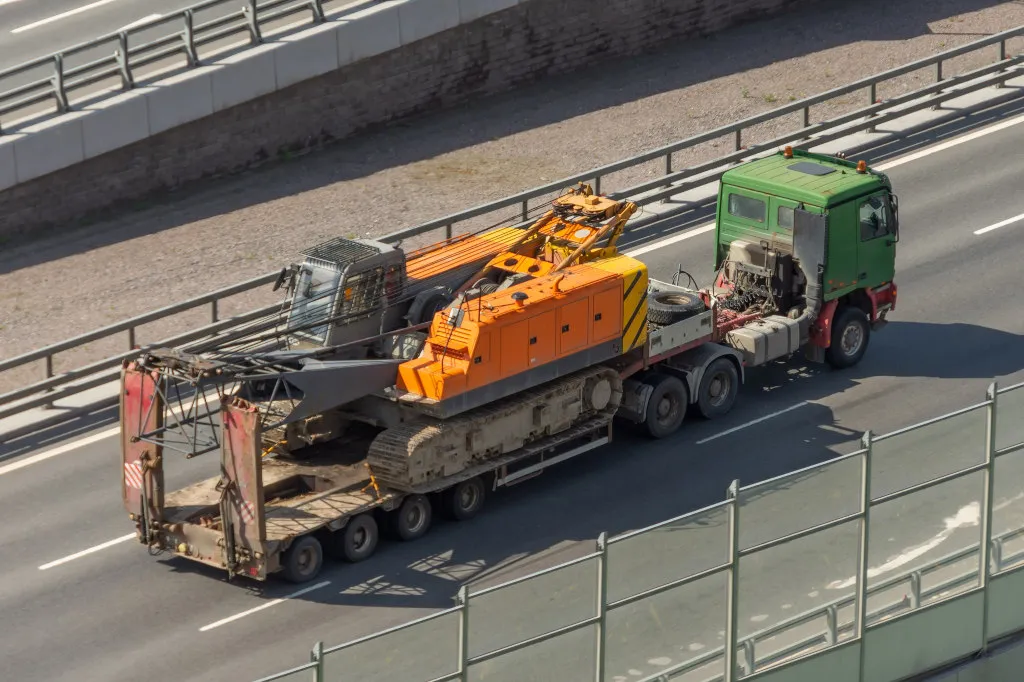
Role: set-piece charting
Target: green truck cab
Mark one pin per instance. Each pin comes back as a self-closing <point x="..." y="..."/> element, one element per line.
<point x="760" y="202"/>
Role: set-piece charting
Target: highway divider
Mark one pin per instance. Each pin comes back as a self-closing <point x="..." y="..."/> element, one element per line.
<point x="671" y="183"/>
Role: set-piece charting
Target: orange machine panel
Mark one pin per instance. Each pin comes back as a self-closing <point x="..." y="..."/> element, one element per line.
<point x="557" y="318"/>
<point x="542" y="338"/>
<point x="515" y="348"/>
<point x="573" y="326"/>
<point x="607" y="323"/>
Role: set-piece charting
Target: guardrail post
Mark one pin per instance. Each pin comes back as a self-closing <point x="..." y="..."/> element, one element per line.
<point x="59" y="93"/>
<point x="739" y="139"/>
<point x="915" y="590"/>
<point x="253" y="18"/>
<point x="597" y="184"/>
<point x="127" y="82"/>
<point x="188" y="36"/>
<point x="318" y="11"/>
<point x="462" y="599"/>
<point x="526" y="210"/>
<point x="317" y="656"/>
<point x="748" y="657"/>
<point x="986" y="506"/>
<point x="213" y="310"/>
<point x="938" y="79"/>
<point x="131" y="338"/>
<point x="448" y="231"/>
<point x="732" y="596"/>
<point x="831" y="625"/>
<point x="861" y="604"/>
<point x="602" y="605"/>
<point x="872" y="96"/>
<point x="49" y="375"/>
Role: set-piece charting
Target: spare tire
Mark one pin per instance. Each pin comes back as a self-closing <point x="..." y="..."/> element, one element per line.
<point x="668" y="307"/>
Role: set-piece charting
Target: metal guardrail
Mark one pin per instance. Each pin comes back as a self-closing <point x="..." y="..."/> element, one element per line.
<point x="185" y="38"/>
<point x="670" y="184"/>
<point x="738" y="657"/>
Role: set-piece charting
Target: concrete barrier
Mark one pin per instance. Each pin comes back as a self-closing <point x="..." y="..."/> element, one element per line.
<point x="381" y="62"/>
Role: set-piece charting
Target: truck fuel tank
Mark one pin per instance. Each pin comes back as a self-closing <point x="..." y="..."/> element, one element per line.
<point x="766" y="339"/>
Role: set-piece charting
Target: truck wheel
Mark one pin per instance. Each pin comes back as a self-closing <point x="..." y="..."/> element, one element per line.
<point x="357" y="540"/>
<point x="303" y="560"/>
<point x="666" y="407"/>
<point x="850" y="335"/>
<point x="463" y="500"/>
<point x="412" y="519"/>
<point x="718" y="389"/>
<point x="669" y="307"/>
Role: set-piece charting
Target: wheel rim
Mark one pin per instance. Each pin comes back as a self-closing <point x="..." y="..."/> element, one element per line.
<point x="468" y="497"/>
<point x="852" y="340"/>
<point x="360" y="539"/>
<point x="305" y="560"/>
<point x="414" y="518"/>
<point x="719" y="388"/>
<point x="667" y="408"/>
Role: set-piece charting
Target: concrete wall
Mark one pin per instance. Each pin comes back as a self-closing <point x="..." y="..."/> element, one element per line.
<point x="396" y="59"/>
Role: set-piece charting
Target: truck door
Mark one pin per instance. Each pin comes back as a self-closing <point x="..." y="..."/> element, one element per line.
<point x="877" y="240"/>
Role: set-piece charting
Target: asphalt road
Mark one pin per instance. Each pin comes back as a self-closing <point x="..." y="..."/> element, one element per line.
<point x="119" y="614"/>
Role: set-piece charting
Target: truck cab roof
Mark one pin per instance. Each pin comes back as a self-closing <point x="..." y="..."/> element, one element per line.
<point x="815" y="179"/>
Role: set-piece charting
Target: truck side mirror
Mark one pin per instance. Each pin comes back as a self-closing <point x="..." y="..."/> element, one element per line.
<point x="894" y="212"/>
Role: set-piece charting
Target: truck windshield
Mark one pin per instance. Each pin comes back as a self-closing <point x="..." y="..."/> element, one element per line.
<point x="312" y="303"/>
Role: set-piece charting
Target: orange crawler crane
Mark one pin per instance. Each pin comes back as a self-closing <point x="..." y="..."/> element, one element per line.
<point x="544" y="314"/>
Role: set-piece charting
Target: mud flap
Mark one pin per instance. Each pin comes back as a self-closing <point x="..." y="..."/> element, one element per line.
<point x="242" y="487"/>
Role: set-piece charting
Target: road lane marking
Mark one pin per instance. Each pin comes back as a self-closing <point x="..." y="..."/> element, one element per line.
<point x="139" y="22"/>
<point x="76" y="555"/>
<point x="966" y="516"/>
<point x="1001" y="223"/>
<point x="688" y="234"/>
<point x="942" y="146"/>
<point x="752" y="422"/>
<point x="62" y="15"/>
<point x="272" y="602"/>
<point x="59" y="450"/>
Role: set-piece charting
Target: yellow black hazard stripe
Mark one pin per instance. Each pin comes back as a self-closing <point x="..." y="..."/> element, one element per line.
<point x="634" y="306"/>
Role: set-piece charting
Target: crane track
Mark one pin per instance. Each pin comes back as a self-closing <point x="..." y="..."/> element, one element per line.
<point x="429" y="449"/>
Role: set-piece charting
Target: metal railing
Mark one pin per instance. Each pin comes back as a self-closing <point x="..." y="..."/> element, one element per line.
<point x="486" y="630"/>
<point x="671" y="183"/>
<point x="185" y="38"/>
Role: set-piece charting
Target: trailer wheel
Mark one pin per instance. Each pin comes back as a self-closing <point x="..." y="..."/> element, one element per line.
<point x="463" y="500"/>
<point x="303" y="560"/>
<point x="850" y="335"/>
<point x="718" y="389"/>
<point x="412" y="519"/>
<point x="357" y="540"/>
<point x="669" y="307"/>
<point x="666" y="407"/>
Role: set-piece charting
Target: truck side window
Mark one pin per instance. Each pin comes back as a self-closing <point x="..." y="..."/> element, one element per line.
<point x="746" y="207"/>
<point x="874" y="219"/>
<point x="786" y="217"/>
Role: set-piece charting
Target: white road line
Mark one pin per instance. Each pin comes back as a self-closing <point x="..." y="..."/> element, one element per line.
<point x="942" y="146"/>
<point x="138" y="22"/>
<point x="62" y="15"/>
<point x="8" y="2"/>
<point x="751" y="423"/>
<point x="1001" y="223"/>
<point x="654" y="246"/>
<point x="60" y="450"/>
<point x="76" y="555"/>
<point x="272" y="602"/>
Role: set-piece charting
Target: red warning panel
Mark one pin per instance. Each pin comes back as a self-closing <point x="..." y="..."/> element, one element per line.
<point x="243" y="469"/>
<point x="142" y="412"/>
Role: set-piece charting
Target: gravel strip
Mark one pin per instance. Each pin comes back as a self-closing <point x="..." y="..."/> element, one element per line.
<point x="231" y="229"/>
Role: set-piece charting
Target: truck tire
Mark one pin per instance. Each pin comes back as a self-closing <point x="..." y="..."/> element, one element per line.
<point x="464" y="499"/>
<point x="669" y="307"/>
<point x="303" y="560"/>
<point x="850" y="335"/>
<point x="718" y="389"/>
<point x="666" y="407"/>
<point x="412" y="519"/>
<point x="427" y="303"/>
<point x="357" y="540"/>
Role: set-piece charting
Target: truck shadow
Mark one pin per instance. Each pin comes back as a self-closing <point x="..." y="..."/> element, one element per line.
<point x="638" y="482"/>
<point x="553" y="99"/>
